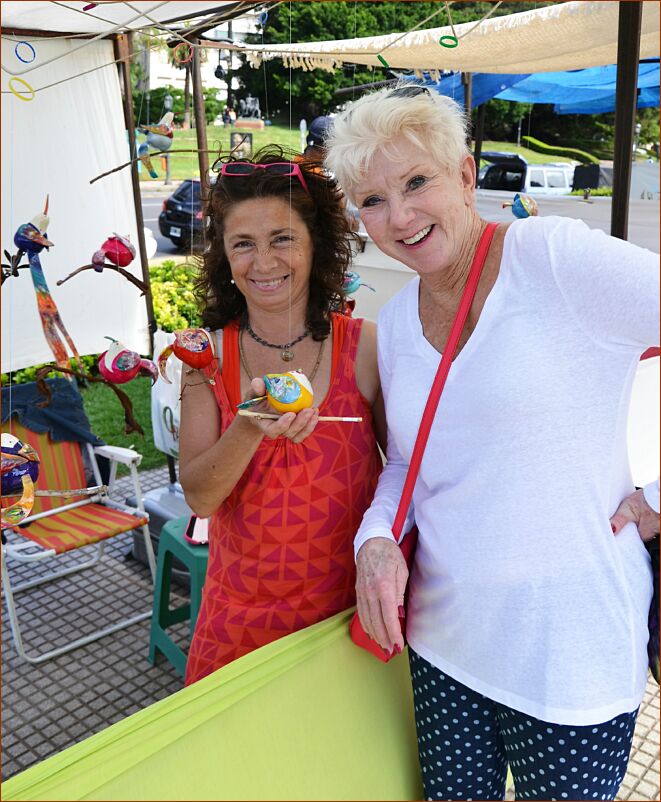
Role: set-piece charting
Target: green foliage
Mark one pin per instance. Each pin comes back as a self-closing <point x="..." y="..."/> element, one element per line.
<point x="106" y="419"/>
<point x="175" y="305"/>
<point x="552" y="150"/>
<point x="501" y="118"/>
<point x="29" y="374"/>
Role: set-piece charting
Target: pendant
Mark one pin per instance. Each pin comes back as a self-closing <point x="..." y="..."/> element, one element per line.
<point x="286" y="355"/>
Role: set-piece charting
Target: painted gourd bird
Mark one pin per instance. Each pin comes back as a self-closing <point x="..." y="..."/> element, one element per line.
<point x="31" y="239"/>
<point x="285" y="392"/>
<point x="115" y="254"/>
<point x="20" y="471"/>
<point x="352" y="281"/>
<point x="159" y="138"/>
<point x="194" y="347"/>
<point x="119" y="365"/>
<point x="522" y="206"/>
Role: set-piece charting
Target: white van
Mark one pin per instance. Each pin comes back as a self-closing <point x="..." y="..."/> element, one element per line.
<point x="511" y="172"/>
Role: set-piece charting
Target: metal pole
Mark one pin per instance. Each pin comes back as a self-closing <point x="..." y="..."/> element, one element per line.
<point x="479" y="137"/>
<point x="200" y="123"/>
<point x="122" y="48"/>
<point x="230" y="56"/>
<point x="467" y="81"/>
<point x="628" y="51"/>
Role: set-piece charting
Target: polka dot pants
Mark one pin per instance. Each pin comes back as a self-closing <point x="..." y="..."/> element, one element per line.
<point x="466" y="742"/>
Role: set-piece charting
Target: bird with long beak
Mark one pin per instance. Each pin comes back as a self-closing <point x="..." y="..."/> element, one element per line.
<point x="31" y="239"/>
<point x="159" y="137"/>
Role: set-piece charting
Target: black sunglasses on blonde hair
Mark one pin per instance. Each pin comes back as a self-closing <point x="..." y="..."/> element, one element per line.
<point x="410" y="91"/>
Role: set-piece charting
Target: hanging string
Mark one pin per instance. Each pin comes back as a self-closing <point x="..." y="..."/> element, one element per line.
<point x="290" y="190"/>
<point x="355" y="29"/>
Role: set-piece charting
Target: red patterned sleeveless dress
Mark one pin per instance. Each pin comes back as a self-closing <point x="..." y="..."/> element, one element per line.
<point x="281" y="544"/>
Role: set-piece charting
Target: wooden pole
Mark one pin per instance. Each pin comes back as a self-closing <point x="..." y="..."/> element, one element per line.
<point x="200" y="123"/>
<point x="122" y="48"/>
<point x="628" y="51"/>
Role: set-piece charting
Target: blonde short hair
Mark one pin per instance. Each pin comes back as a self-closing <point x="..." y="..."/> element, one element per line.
<point x="369" y="125"/>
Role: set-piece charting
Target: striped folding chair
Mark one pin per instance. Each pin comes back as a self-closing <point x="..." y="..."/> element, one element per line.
<point x="57" y="526"/>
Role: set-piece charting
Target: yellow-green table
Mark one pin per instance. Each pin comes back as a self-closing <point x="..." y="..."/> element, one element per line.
<point x="309" y="717"/>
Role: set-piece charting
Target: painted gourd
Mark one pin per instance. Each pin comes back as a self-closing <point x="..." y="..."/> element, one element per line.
<point x="20" y="470"/>
<point x="289" y="392"/>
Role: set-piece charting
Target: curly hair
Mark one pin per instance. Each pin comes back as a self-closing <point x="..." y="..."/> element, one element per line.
<point x="322" y="211"/>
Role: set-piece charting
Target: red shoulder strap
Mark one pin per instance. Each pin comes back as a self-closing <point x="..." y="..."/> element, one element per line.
<point x="441" y="376"/>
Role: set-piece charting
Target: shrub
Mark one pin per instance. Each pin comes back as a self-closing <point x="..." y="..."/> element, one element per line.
<point x="175" y="305"/>
<point x="552" y="150"/>
<point x="26" y="375"/>
<point x="599" y="191"/>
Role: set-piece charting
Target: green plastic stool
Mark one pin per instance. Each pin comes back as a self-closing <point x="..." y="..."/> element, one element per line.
<point x="173" y="544"/>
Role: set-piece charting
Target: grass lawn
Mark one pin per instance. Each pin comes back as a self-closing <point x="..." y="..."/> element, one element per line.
<point x="184" y="165"/>
<point x="106" y="416"/>
<point x="531" y="156"/>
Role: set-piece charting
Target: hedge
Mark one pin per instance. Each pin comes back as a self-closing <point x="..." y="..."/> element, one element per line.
<point x="552" y="150"/>
<point x="175" y="305"/>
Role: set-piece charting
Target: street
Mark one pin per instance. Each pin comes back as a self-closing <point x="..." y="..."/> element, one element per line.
<point x="643" y="214"/>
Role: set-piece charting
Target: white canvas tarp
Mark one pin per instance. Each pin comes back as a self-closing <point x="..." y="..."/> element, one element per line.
<point x="70" y="17"/>
<point x="53" y="145"/>
<point x="566" y="36"/>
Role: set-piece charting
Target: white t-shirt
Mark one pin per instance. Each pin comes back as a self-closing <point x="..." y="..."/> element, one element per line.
<point x="520" y="590"/>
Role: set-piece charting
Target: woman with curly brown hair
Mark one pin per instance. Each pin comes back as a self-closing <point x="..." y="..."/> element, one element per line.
<point x="284" y="497"/>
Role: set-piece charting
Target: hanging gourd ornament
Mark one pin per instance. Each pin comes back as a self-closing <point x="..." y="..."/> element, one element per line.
<point x="289" y="392"/>
<point x="20" y="470"/>
<point x="194" y="347"/>
<point x="116" y="249"/>
<point x="119" y="365"/>
<point x="522" y="206"/>
<point x="352" y="281"/>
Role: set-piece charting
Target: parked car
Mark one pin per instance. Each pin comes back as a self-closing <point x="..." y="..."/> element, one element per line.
<point x="181" y="219"/>
<point x="511" y="172"/>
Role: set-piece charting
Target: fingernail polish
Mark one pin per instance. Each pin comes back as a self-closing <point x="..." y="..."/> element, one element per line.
<point x="397" y="649"/>
<point x="613" y="528"/>
<point x="401" y="611"/>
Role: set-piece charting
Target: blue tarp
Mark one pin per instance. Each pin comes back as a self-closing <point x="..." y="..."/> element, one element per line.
<point x="578" y="88"/>
<point x="589" y="91"/>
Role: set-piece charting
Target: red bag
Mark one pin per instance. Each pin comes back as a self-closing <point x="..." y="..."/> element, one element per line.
<point x="358" y="634"/>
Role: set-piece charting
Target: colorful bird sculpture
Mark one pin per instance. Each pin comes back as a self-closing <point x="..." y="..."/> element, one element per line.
<point x="522" y="206"/>
<point x="119" y="365"/>
<point x="289" y="392"/>
<point x="159" y="138"/>
<point x="194" y="347"/>
<point x="115" y="254"/>
<point x="31" y="238"/>
<point x="20" y="471"/>
<point x="285" y="392"/>
<point x="352" y="281"/>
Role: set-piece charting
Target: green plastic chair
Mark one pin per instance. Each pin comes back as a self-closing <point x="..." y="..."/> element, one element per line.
<point x="172" y="543"/>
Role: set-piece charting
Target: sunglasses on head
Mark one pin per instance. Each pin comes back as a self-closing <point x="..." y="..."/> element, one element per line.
<point x="410" y="91"/>
<point x="279" y="168"/>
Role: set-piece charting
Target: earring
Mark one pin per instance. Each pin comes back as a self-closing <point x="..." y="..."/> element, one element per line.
<point x="232" y="281"/>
